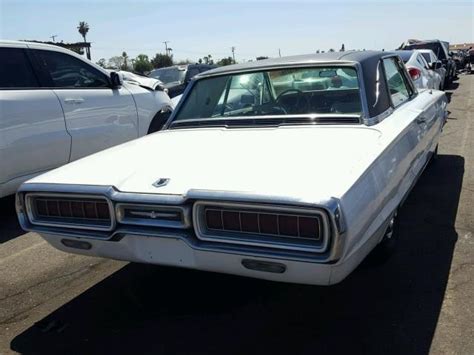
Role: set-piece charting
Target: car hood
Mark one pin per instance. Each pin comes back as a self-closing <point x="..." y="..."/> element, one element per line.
<point x="143" y="81"/>
<point x="311" y="163"/>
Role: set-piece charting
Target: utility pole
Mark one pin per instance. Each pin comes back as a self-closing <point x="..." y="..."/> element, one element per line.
<point x="233" y="53"/>
<point x="166" y="46"/>
<point x="279" y="52"/>
<point x="53" y="37"/>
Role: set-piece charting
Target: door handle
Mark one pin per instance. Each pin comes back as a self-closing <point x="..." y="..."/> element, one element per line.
<point x="420" y="119"/>
<point x="73" y="101"/>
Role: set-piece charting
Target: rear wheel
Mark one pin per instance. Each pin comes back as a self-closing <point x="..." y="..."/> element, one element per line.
<point x="387" y="246"/>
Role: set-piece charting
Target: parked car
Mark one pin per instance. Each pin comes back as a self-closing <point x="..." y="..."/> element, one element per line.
<point x="420" y="72"/>
<point x="434" y="64"/>
<point x="460" y="57"/>
<point x="177" y="77"/>
<point x="57" y="107"/>
<point x="441" y="49"/>
<point x="298" y="186"/>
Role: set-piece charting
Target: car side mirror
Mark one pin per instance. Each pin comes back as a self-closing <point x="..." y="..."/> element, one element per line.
<point x="436" y="65"/>
<point x="116" y="79"/>
<point x="160" y="87"/>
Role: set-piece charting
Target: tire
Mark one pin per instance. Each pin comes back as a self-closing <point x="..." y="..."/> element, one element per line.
<point x="159" y="121"/>
<point x="387" y="246"/>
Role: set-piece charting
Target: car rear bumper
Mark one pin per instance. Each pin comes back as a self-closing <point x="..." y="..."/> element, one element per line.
<point x="175" y="252"/>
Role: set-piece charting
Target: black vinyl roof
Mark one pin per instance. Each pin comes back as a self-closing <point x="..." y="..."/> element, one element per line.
<point x="361" y="57"/>
<point x="377" y="96"/>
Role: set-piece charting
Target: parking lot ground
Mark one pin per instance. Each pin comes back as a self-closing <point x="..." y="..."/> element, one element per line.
<point x="421" y="301"/>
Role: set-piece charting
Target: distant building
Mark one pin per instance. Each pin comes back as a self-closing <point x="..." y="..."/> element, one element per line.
<point x="77" y="47"/>
<point x="453" y="47"/>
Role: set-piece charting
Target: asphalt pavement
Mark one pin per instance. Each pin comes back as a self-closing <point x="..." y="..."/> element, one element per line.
<point x="419" y="302"/>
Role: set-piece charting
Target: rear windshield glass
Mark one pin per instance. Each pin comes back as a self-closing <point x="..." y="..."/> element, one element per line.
<point x="427" y="57"/>
<point x="318" y="90"/>
<point x="169" y="75"/>
<point x="405" y="55"/>
<point x="434" y="46"/>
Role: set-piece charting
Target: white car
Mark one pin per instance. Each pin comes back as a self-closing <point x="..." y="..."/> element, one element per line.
<point x="298" y="186"/>
<point x="57" y="107"/>
<point x="435" y="64"/>
<point x="423" y="76"/>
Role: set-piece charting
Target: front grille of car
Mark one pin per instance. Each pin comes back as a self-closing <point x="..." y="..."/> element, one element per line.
<point x="70" y="211"/>
<point x="268" y="226"/>
<point x="153" y="215"/>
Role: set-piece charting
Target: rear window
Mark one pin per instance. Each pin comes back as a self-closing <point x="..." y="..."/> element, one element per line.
<point x="318" y="90"/>
<point x="427" y="57"/>
<point x="405" y="55"/>
<point x="434" y="46"/>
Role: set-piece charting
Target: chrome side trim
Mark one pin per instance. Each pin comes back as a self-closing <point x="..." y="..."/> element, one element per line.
<point x="370" y="121"/>
<point x="240" y="238"/>
<point x="362" y="94"/>
<point x="29" y="197"/>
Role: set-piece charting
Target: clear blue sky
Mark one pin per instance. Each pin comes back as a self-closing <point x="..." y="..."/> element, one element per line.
<point x="255" y="28"/>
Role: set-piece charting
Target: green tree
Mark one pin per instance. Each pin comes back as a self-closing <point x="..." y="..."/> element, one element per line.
<point x="83" y="29"/>
<point x="102" y="62"/>
<point x="225" y="61"/>
<point x="142" y="64"/>
<point x="207" y="59"/>
<point x="116" y="62"/>
<point x="331" y="50"/>
<point x="162" y="60"/>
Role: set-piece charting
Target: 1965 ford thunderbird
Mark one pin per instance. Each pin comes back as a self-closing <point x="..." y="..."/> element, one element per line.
<point x="288" y="169"/>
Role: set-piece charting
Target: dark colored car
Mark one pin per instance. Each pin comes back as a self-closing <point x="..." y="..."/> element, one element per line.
<point x="177" y="77"/>
<point x="460" y="57"/>
<point x="441" y="49"/>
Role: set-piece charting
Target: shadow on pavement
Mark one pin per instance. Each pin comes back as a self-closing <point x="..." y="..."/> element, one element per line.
<point x="9" y="226"/>
<point x="390" y="309"/>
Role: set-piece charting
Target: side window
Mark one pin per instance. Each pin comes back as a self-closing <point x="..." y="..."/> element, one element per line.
<point x="16" y="70"/>
<point x="399" y="91"/>
<point x="66" y="71"/>
<point x="421" y="61"/>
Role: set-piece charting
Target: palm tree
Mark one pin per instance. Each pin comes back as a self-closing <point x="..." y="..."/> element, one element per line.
<point x="125" y="61"/>
<point x="83" y="28"/>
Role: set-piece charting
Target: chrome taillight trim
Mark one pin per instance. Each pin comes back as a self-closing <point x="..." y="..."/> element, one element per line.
<point x="184" y="212"/>
<point x="239" y="238"/>
<point x="34" y="220"/>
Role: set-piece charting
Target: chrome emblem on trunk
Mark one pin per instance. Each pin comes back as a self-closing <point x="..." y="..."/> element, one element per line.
<point x="161" y="182"/>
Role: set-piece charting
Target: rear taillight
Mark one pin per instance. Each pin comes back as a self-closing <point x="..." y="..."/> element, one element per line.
<point x="415" y="73"/>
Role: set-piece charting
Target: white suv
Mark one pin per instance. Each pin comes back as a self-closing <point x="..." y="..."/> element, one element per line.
<point x="56" y="107"/>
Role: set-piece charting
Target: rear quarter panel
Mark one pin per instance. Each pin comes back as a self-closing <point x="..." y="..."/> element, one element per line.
<point x="399" y="159"/>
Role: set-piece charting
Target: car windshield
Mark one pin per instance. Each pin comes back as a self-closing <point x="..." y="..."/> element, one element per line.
<point x="434" y="46"/>
<point x="169" y="75"/>
<point x="297" y="91"/>
<point x="405" y="55"/>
